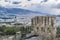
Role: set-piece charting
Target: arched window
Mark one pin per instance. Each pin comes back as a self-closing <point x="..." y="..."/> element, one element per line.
<point x="49" y="30"/>
<point x="37" y="28"/>
<point x="42" y="29"/>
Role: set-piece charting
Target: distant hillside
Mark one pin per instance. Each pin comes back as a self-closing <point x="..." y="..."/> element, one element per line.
<point x="23" y="14"/>
<point x="17" y="11"/>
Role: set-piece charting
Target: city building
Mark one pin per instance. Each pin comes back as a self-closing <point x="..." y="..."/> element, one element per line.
<point x="45" y="27"/>
<point x="8" y="21"/>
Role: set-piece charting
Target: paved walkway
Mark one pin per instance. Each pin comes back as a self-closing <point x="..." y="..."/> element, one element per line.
<point x="33" y="38"/>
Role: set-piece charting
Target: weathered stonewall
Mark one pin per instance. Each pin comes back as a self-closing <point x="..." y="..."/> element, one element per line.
<point x="44" y="26"/>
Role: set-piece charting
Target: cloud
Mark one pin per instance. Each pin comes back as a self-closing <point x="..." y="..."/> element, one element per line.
<point x="57" y="6"/>
<point x="45" y="0"/>
<point x="50" y="7"/>
<point x="18" y="7"/>
<point x="22" y="2"/>
<point x="16" y="2"/>
<point x="45" y="6"/>
<point x="29" y="0"/>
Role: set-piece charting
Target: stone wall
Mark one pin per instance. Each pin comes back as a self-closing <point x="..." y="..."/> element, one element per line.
<point x="44" y="26"/>
<point x="11" y="37"/>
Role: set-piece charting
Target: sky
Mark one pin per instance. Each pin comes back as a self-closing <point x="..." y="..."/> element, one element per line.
<point x="29" y="8"/>
<point x="45" y="6"/>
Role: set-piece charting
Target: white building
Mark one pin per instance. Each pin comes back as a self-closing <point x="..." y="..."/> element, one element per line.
<point x="7" y="21"/>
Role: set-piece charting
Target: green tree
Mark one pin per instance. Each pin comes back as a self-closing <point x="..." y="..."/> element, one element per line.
<point x="58" y="30"/>
<point x="9" y="30"/>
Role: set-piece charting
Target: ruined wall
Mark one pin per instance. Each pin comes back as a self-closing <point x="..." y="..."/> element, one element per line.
<point x="44" y="26"/>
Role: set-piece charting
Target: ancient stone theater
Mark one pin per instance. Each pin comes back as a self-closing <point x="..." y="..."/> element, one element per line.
<point x="45" y="27"/>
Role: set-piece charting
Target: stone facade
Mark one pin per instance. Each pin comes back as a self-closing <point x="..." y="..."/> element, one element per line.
<point x="44" y="26"/>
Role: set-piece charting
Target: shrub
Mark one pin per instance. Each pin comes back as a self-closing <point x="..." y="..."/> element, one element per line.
<point x="25" y="29"/>
<point x="9" y="30"/>
<point x="58" y="30"/>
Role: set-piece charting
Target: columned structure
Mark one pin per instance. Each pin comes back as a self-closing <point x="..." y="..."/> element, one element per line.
<point x="44" y="26"/>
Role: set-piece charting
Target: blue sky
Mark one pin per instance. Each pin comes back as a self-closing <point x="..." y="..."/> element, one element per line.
<point x="43" y="6"/>
<point x="29" y="8"/>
